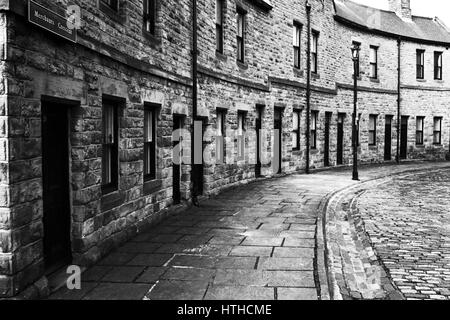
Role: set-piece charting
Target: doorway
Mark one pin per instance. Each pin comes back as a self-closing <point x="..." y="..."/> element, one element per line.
<point x="340" y="140"/>
<point x="404" y="138"/>
<point x="388" y="139"/>
<point x="178" y="123"/>
<point x="56" y="190"/>
<point x="326" y="161"/>
<point x="278" y="125"/>
<point x="199" y="167"/>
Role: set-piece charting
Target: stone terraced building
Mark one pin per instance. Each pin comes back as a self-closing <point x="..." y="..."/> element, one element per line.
<point x="86" y="125"/>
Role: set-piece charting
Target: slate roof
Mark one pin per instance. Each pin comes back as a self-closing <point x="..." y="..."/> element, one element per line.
<point x="420" y="28"/>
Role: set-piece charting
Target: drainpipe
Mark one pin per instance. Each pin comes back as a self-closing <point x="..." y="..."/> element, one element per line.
<point x="399" y="43"/>
<point x="308" y="88"/>
<point x="194" y="172"/>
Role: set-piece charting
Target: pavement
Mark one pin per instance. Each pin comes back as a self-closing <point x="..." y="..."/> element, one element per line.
<point x="261" y="241"/>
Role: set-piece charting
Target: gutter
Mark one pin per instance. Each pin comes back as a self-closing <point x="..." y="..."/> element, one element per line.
<point x="308" y="90"/>
<point x="194" y="171"/>
<point x="399" y="97"/>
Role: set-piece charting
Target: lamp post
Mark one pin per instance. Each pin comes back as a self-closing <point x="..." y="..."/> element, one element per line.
<point x="355" y="56"/>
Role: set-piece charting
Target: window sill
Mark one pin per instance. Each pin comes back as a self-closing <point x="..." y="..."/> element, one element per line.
<point x="221" y="56"/>
<point x="111" y="13"/>
<point x="420" y="146"/>
<point x="374" y="80"/>
<point x="438" y="145"/>
<point x="298" y="73"/>
<point x="373" y="147"/>
<point x="152" y="39"/>
<point x="112" y="200"/>
<point x="152" y="186"/>
<point x="421" y="80"/>
<point x="315" y="76"/>
<point x="242" y="65"/>
<point x="439" y="80"/>
<point x="314" y="151"/>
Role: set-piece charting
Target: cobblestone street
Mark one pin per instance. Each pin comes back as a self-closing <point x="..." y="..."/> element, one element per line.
<point x="408" y="222"/>
<point x="264" y="241"/>
<point x="390" y="237"/>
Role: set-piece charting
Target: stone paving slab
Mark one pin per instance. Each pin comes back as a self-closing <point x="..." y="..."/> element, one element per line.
<point x="255" y="241"/>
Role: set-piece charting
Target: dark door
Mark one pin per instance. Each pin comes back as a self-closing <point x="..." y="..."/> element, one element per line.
<point x="340" y="140"/>
<point x="177" y="124"/>
<point x="55" y="172"/>
<point x="327" y="139"/>
<point x="259" y="111"/>
<point x="404" y="138"/>
<point x="388" y="139"/>
<point x="199" y="168"/>
<point x="278" y="125"/>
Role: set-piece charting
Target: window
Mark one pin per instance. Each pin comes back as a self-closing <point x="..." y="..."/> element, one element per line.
<point x="149" y="143"/>
<point x="241" y="134"/>
<point x="438" y="65"/>
<point x="297" y="31"/>
<point x="419" y="130"/>
<point x="220" y="133"/>
<point x="437" y="130"/>
<point x="219" y="26"/>
<point x="420" y="58"/>
<point x="314" y="115"/>
<point x="357" y="65"/>
<point x="150" y="16"/>
<point x="314" y="51"/>
<point x="110" y="159"/>
<point x="113" y="4"/>
<point x="296" y="130"/>
<point x="240" y="36"/>
<point x="372" y="130"/>
<point x="374" y="62"/>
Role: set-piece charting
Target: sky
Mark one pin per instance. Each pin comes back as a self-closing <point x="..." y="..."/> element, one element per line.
<point x="426" y="8"/>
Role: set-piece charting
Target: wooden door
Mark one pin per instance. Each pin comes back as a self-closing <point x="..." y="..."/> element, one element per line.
<point x="56" y="194"/>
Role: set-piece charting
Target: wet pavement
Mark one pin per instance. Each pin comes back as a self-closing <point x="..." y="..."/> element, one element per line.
<point x="261" y="241"/>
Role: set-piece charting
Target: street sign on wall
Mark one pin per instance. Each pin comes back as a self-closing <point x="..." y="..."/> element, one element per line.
<point x="51" y="21"/>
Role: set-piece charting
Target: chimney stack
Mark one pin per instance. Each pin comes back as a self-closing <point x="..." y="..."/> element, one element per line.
<point x="402" y="8"/>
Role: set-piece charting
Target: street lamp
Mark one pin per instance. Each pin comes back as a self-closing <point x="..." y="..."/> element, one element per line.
<point x="355" y="56"/>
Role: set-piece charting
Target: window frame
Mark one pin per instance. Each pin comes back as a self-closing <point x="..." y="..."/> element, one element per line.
<point x="222" y="114"/>
<point x="150" y="147"/>
<point x="438" y="63"/>
<point x="314" y="119"/>
<point x="419" y="131"/>
<point x="314" y="51"/>
<point x="296" y="130"/>
<point x="220" y="5"/>
<point x="241" y="131"/>
<point x="110" y="151"/>
<point x="420" y="64"/>
<point x="373" y="131"/>
<point x="150" y="17"/>
<point x="373" y="64"/>
<point x="240" y="38"/>
<point x="439" y="142"/>
<point x="297" y="43"/>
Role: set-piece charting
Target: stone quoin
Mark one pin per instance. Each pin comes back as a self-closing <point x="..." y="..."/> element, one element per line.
<point x="86" y="144"/>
